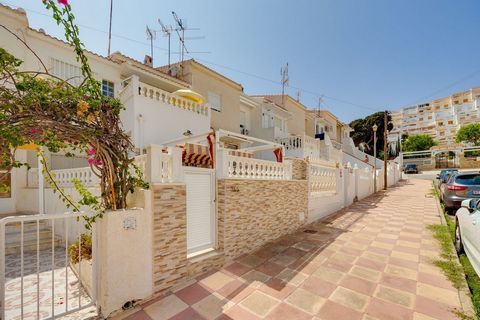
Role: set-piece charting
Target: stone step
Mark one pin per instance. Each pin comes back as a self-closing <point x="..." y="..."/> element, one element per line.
<point x="15" y="237"/>
<point x="31" y="246"/>
<point x="15" y="227"/>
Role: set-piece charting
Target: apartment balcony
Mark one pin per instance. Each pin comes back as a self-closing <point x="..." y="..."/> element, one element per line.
<point x="153" y="115"/>
<point x="303" y="147"/>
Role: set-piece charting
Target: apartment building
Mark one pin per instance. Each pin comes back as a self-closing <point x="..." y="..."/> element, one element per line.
<point x="440" y="118"/>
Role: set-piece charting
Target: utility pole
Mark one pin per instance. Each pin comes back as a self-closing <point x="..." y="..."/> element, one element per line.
<point x="284" y="74"/>
<point x="110" y="28"/>
<point x="385" y="138"/>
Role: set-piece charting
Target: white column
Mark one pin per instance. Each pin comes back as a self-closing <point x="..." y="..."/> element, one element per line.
<point x="41" y="191"/>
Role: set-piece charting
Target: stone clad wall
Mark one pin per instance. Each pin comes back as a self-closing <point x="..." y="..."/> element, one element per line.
<point x="254" y="212"/>
<point x="169" y="236"/>
<point x="299" y="169"/>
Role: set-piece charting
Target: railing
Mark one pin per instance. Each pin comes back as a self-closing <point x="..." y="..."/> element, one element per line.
<point x="248" y="168"/>
<point x="64" y="177"/>
<point x="39" y="276"/>
<point x="322" y="178"/>
<point x="156" y="94"/>
<point x="336" y="145"/>
<point x="304" y="146"/>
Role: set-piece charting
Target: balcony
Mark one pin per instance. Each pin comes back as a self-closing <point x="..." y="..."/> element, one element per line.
<point x="303" y="147"/>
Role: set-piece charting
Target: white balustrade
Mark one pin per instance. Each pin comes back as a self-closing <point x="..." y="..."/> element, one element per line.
<point x="305" y="146"/>
<point x="159" y="164"/>
<point x="160" y="95"/>
<point x="322" y="178"/>
<point x="248" y="168"/>
<point x="64" y="177"/>
<point x="85" y="175"/>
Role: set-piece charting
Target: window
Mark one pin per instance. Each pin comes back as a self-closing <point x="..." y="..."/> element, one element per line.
<point x="108" y="88"/>
<point x="214" y="101"/>
<point x="67" y="71"/>
<point x="450" y="121"/>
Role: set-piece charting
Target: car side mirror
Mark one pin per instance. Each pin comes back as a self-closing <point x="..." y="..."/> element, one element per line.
<point x="470" y="204"/>
<point x="438" y="177"/>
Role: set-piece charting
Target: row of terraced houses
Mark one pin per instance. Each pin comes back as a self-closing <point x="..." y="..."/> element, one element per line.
<point x="228" y="173"/>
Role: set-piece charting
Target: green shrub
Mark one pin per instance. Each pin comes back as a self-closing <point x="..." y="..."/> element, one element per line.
<point x="85" y="250"/>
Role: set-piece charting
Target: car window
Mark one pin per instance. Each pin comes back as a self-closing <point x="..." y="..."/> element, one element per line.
<point x="468" y="179"/>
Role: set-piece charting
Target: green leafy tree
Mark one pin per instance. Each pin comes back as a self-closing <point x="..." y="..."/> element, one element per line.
<point x="469" y="133"/>
<point x="363" y="133"/>
<point x="418" y="142"/>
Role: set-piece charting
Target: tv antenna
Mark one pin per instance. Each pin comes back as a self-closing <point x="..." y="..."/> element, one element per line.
<point x="180" y="30"/>
<point x="319" y="107"/>
<point x="167" y="31"/>
<point x="285" y="81"/>
<point x="151" y="35"/>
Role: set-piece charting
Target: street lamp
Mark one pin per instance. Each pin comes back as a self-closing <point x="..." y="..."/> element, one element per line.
<point x="375" y="128"/>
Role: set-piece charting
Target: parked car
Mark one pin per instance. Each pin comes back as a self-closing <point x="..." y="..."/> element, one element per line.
<point x="444" y="175"/>
<point x="460" y="186"/>
<point x="411" y="168"/>
<point x="467" y="231"/>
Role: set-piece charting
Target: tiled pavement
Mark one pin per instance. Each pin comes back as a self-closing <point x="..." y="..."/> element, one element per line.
<point x="370" y="261"/>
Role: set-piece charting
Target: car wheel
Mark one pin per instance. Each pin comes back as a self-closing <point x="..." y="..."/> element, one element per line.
<point x="458" y="238"/>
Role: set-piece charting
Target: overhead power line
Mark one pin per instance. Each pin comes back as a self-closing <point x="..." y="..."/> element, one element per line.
<point x="312" y="93"/>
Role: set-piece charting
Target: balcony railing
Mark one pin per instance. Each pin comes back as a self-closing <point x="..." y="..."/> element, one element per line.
<point x="153" y="93"/>
<point x="64" y="177"/>
<point x="236" y="167"/>
<point x="322" y="178"/>
<point x="304" y="146"/>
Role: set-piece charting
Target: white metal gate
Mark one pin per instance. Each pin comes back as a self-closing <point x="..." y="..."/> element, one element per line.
<point x="39" y="278"/>
<point x="201" y="227"/>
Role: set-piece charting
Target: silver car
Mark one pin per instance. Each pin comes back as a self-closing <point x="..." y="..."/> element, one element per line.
<point x="467" y="231"/>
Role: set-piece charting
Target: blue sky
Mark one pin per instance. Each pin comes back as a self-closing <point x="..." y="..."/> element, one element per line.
<point x="362" y="55"/>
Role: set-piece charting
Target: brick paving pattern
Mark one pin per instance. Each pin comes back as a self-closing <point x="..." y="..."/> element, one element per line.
<point x="369" y="261"/>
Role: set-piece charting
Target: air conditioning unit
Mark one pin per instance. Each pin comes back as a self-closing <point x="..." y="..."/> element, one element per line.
<point x="244" y="131"/>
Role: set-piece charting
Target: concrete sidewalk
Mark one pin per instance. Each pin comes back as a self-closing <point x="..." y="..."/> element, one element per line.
<point x="369" y="261"/>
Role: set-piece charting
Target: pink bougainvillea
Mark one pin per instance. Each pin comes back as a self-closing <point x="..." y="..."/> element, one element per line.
<point x="64" y="2"/>
<point x="92" y="151"/>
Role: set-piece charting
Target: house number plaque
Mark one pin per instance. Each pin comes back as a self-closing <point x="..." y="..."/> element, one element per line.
<point x="130" y="223"/>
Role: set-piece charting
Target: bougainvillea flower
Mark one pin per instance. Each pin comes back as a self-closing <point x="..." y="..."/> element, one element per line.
<point x="92" y="151"/>
<point x="94" y="162"/>
<point x="64" y="2"/>
<point x="82" y="107"/>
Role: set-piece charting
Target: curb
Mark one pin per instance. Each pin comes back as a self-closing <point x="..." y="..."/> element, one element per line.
<point x="463" y="293"/>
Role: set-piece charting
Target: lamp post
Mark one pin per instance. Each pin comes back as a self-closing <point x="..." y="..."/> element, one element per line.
<point x="374" y="128"/>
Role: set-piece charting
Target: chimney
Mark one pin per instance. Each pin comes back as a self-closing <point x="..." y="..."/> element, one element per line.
<point x="148" y="61"/>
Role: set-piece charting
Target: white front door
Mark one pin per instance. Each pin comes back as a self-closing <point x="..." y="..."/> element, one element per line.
<point x="200" y="186"/>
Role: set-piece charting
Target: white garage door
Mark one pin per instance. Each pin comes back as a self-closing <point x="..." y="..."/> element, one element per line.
<point x="200" y="209"/>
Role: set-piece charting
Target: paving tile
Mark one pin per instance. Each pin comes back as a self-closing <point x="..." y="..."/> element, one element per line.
<point x="192" y="293"/>
<point x="139" y="315"/>
<point x="292" y="277"/>
<point x="335" y="311"/>
<point x="305" y="300"/>
<point x="285" y="311"/>
<point x="449" y="297"/>
<point x="269" y="268"/>
<point x="259" y="303"/>
<point x="237" y="268"/>
<point x="212" y="306"/>
<point x="400" y="297"/>
<point x="405" y="256"/>
<point x="372" y="264"/>
<point x="251" y="260"/>
<point x="304" y="246"/>
<point x="385" y="310"/>
<point x="293" y="252"/>
<point x="435" y="280"/>
<point x="366" y="273"/>
<point x="166" y="308"/>
<point x="237" y="313"/>
<point x="350" y="299"/>
<point x="189" y="314"/>
<point x="277" y="288"/>
<point x="283" y="259"/>
<point x="318" y="286"/>
<point x="357" y="284"/>
<point x="216" y="280"/>
<point x="401" y="272"/>
<point x="328" y="274"/>
<point x="399" y="283"/>
<point x="232" y="289"/>
<point x="434" y="309"/>
<point x="375" y="257"/>
<point x="256" y="277"/>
